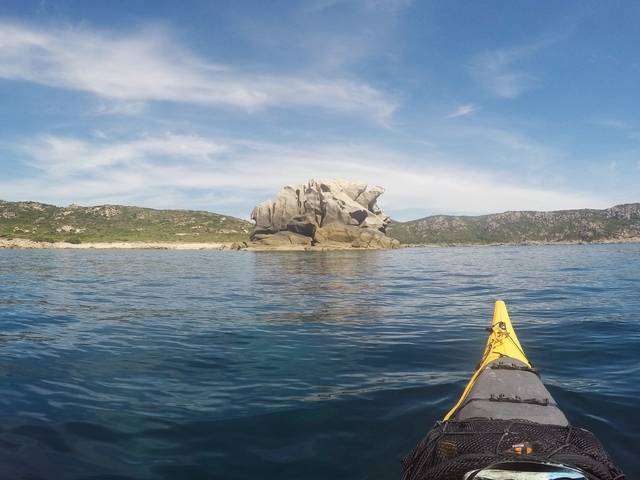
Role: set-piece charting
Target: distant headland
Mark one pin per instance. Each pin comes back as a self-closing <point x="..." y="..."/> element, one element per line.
<point x="617" y="224"/>
<point x="317" y="215"/>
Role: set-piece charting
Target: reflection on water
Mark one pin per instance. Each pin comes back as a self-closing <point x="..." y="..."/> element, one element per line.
<point x="318" y="286"/>
<point x="315" y="365"/>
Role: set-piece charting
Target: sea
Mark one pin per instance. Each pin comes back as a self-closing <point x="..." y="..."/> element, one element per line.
<point x="186" y="365"/>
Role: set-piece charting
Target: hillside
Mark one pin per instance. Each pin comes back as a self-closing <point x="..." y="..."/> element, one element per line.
<point x="618" y="223"/>
<point x="115" y="223"/>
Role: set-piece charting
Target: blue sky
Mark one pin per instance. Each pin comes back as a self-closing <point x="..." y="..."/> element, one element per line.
<point x="453" y="107"/>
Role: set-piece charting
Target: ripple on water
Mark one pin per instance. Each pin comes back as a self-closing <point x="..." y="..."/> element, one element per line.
<point x="173" y="365"/>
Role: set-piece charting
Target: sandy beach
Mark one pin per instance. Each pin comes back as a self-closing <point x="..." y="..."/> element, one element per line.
<point x="30" y="244"/>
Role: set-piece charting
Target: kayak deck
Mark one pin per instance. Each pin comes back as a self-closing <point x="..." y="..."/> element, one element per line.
<point x="505" y="385"/>
<point x="508" y="389"/>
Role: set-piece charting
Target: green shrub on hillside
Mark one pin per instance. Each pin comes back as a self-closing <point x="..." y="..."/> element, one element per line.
<point x="114" y="223"/>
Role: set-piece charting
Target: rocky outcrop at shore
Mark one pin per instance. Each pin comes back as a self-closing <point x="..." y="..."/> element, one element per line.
<point x="325" y="213"/>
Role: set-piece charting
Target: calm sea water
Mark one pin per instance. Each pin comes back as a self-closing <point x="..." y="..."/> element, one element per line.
<point x="239" y="365"/>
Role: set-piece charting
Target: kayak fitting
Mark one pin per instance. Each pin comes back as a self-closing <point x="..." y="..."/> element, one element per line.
<point x="506" y="425"/>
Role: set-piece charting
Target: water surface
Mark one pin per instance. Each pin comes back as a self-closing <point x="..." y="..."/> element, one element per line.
<point x="240" y="365"/>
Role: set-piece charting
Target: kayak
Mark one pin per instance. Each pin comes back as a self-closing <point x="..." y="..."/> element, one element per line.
<point x="507" y="426"/>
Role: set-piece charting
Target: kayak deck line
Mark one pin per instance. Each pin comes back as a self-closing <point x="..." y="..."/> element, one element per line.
<point x="513" y="366"/>
<point x="502" y="342"/>
<point x="512" y="399"/>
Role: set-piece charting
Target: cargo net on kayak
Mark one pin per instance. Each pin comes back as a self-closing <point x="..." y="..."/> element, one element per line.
<point x="453" y="448"/>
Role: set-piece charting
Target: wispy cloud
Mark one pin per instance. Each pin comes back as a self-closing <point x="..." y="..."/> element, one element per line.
<point x="121" y="108"/>
<point x="611" y="123"/>
<point x="151" y="66"/>
<point x="231" y="175"/>
<point x="65" y="156"/>
<point x="630" y="130"/>
<point x="463" y="111"/>
<point x="501" y="71"/>
<point x="392" y="6"/>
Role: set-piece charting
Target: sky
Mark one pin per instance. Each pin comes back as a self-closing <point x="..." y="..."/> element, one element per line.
<point x="466" y="107"/>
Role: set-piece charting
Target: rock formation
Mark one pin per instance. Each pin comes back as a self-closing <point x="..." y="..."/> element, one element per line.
<point x="325" y="212"/>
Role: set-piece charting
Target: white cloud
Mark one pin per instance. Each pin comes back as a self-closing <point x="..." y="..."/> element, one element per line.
<point x="463" y="111"/>
<point x="151" y="66"/>
<point x="232" y="175"/>
<point x="63" y="156"/>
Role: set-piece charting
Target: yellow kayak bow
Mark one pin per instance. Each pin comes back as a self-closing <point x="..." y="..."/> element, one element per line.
<point x="502" y="342"/>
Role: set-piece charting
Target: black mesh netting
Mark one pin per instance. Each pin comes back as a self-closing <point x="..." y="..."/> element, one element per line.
<point x="454" y="448"/>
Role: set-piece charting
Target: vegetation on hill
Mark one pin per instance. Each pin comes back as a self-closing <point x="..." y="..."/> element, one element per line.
<point x="618" y="223"/>
<point x="114" y="223"/>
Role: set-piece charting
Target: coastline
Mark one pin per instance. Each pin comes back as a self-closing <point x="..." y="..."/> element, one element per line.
<point x="531" y="243"/>
<point x="26" y="244"/>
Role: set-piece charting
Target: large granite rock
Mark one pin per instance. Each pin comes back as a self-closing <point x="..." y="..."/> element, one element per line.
<point x="324" y="212"/>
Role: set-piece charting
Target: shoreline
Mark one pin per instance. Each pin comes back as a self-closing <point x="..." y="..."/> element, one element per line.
<point x="26" y="244"/>
<point x="531" y="243"/>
